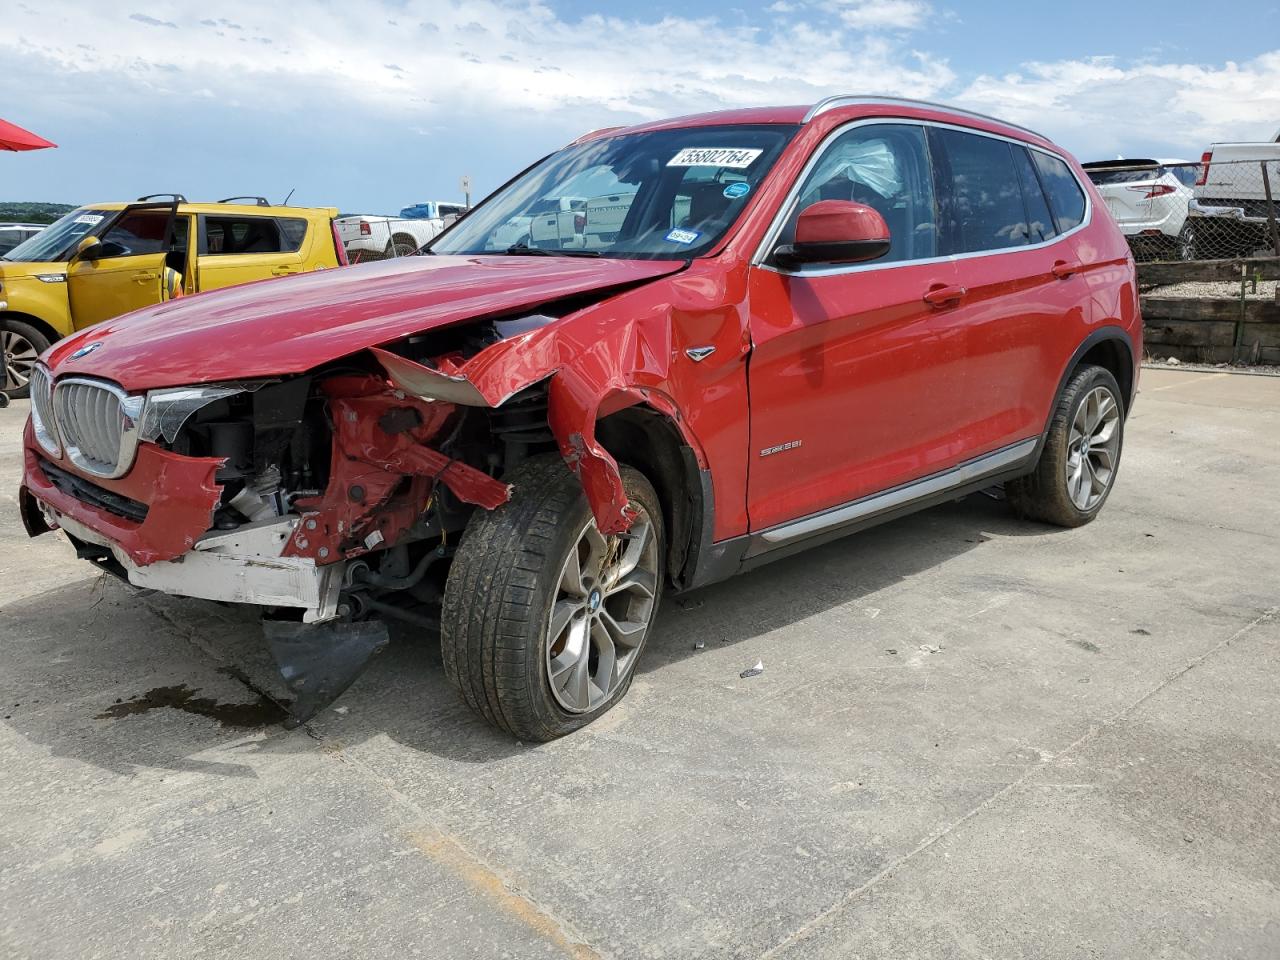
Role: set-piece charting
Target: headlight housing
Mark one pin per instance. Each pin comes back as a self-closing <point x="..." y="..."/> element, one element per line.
<point x="168" y="408"/>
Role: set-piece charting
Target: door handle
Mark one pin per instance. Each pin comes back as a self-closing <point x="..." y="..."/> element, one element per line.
<point x="282" y="271"/>
<point x="941" y="294"/>
<point x="1062" y="269"/>
<point x="145" y="276"/>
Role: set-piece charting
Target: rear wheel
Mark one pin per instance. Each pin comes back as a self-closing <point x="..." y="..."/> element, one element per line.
<point x="544" y="617"/>
<point x="1077" y="467"/>
<point x="1186" y="242"/>
<point x="402" y="246"/>
<point x="20" y="345"/>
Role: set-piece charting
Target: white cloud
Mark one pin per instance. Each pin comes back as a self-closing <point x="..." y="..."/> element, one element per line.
<point x="1100" y="107"/>
<point x="883" y="14"/>
<point x="490" y="55"/>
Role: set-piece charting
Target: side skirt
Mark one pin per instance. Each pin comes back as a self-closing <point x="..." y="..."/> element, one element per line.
<point x="722" y="560"/>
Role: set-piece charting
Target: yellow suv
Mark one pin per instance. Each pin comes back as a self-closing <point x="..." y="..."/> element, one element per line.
<point x="105" y="259"/>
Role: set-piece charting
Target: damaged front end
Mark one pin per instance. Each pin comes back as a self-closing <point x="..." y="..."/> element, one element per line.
<point x="326" y="499"/>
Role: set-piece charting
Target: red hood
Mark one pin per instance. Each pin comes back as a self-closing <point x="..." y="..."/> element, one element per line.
<point x="291" y="325"/>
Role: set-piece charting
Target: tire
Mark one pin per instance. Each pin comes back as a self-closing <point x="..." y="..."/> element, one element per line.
<point x="20" y="345"/>
<point x="402" y="246"/>
<point x="498" y="639"/>
<point x="1055" y="492"/>
<point x="1185" y="245"/>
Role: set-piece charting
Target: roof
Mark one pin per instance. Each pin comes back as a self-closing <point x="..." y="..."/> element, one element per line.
<point x="851" y="105"/>
<point x="189" y="207"/>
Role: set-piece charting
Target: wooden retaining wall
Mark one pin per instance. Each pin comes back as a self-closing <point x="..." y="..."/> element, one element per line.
<point x="1213" y="329"/>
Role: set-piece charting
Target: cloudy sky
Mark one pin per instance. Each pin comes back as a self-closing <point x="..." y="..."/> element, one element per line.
<point x="369" y="106"/>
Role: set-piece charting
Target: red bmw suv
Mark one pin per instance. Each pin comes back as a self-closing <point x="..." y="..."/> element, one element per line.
<point x="740" y="334"/>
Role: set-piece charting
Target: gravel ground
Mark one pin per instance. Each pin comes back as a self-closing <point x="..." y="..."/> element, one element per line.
<point x="1215" y="290"/>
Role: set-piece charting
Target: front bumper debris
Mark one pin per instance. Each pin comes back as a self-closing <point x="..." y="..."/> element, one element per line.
<point x="238" y="566"/>
<point x="319" y="661"/>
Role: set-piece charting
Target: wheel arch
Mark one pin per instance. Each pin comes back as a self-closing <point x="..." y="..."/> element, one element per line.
<point x="1111" y="349"/>
<point x="651" y="441"/>
<point x="50" y="334"/>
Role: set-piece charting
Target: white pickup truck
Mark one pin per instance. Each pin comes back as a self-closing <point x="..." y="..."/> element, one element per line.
<point x="1229" y="214"/>
<point x="375" y="237"/>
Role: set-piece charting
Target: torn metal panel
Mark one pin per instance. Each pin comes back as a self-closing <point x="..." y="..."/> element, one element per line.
<point x="380" y="439"/>
<point x="180" y="492"/>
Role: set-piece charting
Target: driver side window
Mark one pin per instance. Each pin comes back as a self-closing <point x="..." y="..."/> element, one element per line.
<point x="886" y="167"/>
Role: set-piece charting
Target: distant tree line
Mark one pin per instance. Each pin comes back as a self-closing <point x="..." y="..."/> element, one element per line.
<point x="33" y="212"/>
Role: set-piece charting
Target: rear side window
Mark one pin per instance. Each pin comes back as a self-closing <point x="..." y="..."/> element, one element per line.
<point x="982" y="199"/>
<point x="1065" y="196"/>
<point x="293" y="230"/>
<point x="1039" y="219"/>
<point x="227" y="235"/>
<point x="886" y="167"/>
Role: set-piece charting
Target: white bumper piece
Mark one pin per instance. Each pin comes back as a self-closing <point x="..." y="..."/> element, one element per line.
<point x="238" y="566"/>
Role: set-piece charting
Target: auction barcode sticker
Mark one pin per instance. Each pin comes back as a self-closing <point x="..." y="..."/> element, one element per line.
<point x="734" y="158"/>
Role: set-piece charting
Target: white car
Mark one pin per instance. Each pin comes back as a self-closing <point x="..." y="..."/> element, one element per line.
<point x="1149" y="200"/>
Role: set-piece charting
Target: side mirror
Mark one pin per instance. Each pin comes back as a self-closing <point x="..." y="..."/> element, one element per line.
<point x="89" y="248"/>
<point x="836" y="231"/>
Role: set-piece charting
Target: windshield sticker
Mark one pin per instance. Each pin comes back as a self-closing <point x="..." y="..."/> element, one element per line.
<point x="683" y="236"/>
<point x="733" y="158"/>
<point x="735" y="191"/>
<point x="89" y="218"/>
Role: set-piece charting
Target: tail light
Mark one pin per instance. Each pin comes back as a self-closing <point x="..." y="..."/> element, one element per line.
<point x="364" y="228"/>
<point x="338" y="248"/>
<point x="579" y="223"/>
<point x="1205" y="159"/>
<point x="1149" y="193"/>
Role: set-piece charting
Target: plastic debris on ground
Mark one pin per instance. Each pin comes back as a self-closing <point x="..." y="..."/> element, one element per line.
<point x="753" y="671"/>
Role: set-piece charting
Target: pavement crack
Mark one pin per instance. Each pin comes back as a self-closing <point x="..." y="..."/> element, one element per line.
<point x="805" y="930"/>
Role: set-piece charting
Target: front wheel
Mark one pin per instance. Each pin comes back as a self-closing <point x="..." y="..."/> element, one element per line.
<point x="1081" y="454"/>
<point x="20" y="345"/>
<point x="544" y="617"/>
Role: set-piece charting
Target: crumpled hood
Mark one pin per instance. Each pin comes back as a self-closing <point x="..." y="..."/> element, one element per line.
<point x="290" y="325"/>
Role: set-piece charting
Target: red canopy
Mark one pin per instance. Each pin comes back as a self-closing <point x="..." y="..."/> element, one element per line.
<point x="13" y="137"/>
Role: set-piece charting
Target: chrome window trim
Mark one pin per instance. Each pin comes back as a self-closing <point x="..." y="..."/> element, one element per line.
<point x="130" y="410"/>
<point x="783" y="213"/>
<point x="856" y="100"/>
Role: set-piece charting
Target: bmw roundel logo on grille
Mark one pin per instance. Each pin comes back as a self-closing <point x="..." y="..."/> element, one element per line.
<point x="85" y="350"/>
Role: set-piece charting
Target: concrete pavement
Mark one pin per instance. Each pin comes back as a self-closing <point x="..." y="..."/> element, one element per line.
<point x="973" y="737"/>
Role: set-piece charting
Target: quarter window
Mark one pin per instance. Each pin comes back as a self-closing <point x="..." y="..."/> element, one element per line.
<point x="1039" y="219"/>
<point x="983" y="207"/>
<point x="1065" y="196"/>
<point x="885" y="167"/>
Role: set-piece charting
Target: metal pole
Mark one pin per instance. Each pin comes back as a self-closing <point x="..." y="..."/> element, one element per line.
<point x="1271" y="210"/>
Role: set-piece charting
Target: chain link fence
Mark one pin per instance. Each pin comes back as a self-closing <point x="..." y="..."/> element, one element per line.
<point x="1193" y="211"/>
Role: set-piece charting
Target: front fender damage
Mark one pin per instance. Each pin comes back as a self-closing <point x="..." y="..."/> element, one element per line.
<point x="586" y="378"/>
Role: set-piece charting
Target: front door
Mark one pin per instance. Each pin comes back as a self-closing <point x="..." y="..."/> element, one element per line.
<point x="857" y="375"/>
<point x="125" y="270"/>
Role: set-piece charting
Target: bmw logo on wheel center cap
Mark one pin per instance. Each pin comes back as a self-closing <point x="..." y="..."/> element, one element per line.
<point x="593" y="601"/>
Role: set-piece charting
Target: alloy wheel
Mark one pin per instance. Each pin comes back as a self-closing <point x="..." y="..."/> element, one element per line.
<point x="19" y="357"/>
<point x="605" y="598"/>
<point x="1093" y="448"/>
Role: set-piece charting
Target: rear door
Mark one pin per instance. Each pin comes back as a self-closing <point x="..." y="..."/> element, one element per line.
<point x="857" y="373"/>
<point x="243" y="247"/>
<point x="129" y="270"/>
<point x="1017" y="264"/>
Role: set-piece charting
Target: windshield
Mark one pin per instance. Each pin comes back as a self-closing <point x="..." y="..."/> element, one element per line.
<point x="54" y="243"/>
<point x="662" y="195"/>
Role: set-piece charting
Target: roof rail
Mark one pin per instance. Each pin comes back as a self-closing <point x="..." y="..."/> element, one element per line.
<point x="172" y="196"/>
<point x="260" y="201"/>
<point x="830" y="103"/>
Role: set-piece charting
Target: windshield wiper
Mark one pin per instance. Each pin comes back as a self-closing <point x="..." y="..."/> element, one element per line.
<point x="524" y="250"/>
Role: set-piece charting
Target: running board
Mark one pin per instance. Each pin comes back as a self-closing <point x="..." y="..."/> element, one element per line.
<point x="965" y="478"/>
